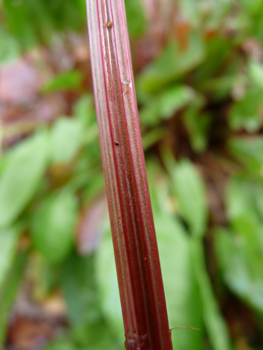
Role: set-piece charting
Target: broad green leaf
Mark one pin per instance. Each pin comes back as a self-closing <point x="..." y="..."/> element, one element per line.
<point x="245" y="113"/>
<point x="238" y="198"/>
<point x="190" y="10"/>
<point x="252" y="6"/>
<point x="43" y="277"/>
<point x="172" y="64"/>
<point x="66" y="137"/>
<point x="184" y="304"/>
<point x="214" y="322"/>
<point x="108" y="285"/>
<point x="62" y="344"/>
<point x="135" y="17"/>
<point x="242" y="213"/>
<point x="8" y="242"/>
<point x="222" y="87"/>
<point x="21" y="176"/>
<point x="70" y="80"/>
<point x="181" y="290"/>
<point x="85" y="114"/>
<point x="69" y="343"/>
<point x="19" y="23"/>
<point x="249" y="150"/>
<point x="53" y="225"/>
<point x="258" y="195"/>
<point x="241" y="266"/>
<point x="217" y="52"/>
<point x="216" y="12"/>
<point x="84" y="110"/>
<point x="256" y="23"/>
<point x="9" y="292"/>
<point x="9" y="48"/>
<point x="197" y="125"/>
<point x="159" y="188"/>
<point x="40" y="19"/>
<point x="191" y="196"/>
<point x="1" y="136"/>
<point x="80" y="289"/>
<point x="79" y="285"/>
<point x="249" y="22"/>
<point x="255" y="71"/>
<point x="152" y="137"/>
<point x="164" y="105"/>
<point x="208" y="14"/>
<point x="34" y="22"/>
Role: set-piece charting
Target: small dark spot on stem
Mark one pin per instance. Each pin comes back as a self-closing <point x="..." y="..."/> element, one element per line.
<point x="116" y="143"/>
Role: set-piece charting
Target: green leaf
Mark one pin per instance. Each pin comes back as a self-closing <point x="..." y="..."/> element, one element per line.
<point x="197" y="125"/>
<point x="80" y="289"/>
<point x="256" y="22"/>
<point x="41" y="21"/>
<point x="1" y="137"/>
<point x="152" y="137"/>
<point x="214" y="321"/>
<point x="135" y="18"/>
<point x="43" y="277"/>
<point x="70" y="80"/>
<point x="190" y="10"/>
<point x="249" y="150"/>
<point x="252" y="6"/>
<point x="255" y="70"/>
<point x="239" y="201"/>
<point x="21" y="176"/>
<point x="19" y="22"/>
<point x="190" y="193"/>
<point x="183" y="299"/>
<point x="9" y="292"/>
<point x="209" y="15"/>
<point x="79" y="285"/>
<point x="238" y="198"/>
<point x="241" y="266"/>
<point x="258" y="195"/>
<point x="84" y="110"/>
<point x="108" y="285"/>
<point x="8" y="242"/>
<point x="158" y="187"/>
<point x="172" y="64"/>
<point x="66" y="137"/>
<point x="242" y="213"/>
<point x="216" y="13"/>
<point x="164" y="105"/>
<point x="62" y="344"/>
<point x="9" y="48"/>
<point x="34" y="22"/>
<point x="245" y="113"/>
<point x="217" y="52"/>
<point x="53" y="226"/>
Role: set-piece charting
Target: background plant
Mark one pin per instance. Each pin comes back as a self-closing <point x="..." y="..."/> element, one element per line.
<point x="199" y="80"/>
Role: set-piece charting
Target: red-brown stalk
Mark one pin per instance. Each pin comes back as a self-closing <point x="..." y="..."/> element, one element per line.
<point x="136" y="253"/>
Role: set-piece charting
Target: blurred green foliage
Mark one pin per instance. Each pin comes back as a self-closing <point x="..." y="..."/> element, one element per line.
<point x="201" y="111"/>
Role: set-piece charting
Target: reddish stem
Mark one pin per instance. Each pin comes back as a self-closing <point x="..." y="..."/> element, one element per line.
<point x="136" y="253"/>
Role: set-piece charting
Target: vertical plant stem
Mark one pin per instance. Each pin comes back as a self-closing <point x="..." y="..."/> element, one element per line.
<point x="136" y="254"/>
